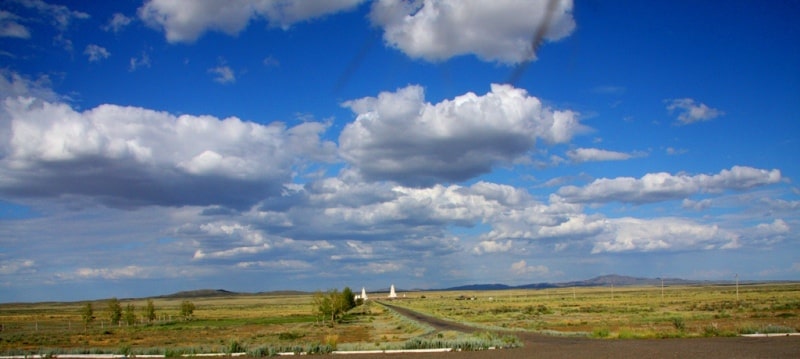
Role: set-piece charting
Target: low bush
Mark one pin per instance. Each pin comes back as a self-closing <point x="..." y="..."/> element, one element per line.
<point x="678" y="323"/>
<point x="235" y="347"/>
<point x="767" y="329"/>
<point x="600" y="333"/>
<point x="478" y="341"/>
<point x="290" y="335"/>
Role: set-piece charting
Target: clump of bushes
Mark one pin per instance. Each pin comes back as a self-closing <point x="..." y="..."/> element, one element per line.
<point x="601" y="333"/>
<point x="235" y="347"/>
<point x="678" y="323"/>
<point x="290" y="335"/>
<point x="269" y="351"/>
<point x="479" y="341"/>
<point x="767" y="329"/>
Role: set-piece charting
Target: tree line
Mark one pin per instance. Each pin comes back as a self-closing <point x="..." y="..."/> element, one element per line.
<point x="117" y="314"/>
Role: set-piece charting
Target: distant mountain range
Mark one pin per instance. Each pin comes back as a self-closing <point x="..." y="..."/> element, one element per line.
<point x="604" y="280"/>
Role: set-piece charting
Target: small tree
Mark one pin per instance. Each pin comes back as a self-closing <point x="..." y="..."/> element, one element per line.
<point x="114" y="310"/>
<point x="349" y="299"/>
<point x="129" y="316"/>
<point x="87" y="314"/>
<point x="333" y="304"/>
<point x="322" y="305"/>
<point x="150" y="311"/>
<point x="187" y="309"/>
<point x="337" y="303"/>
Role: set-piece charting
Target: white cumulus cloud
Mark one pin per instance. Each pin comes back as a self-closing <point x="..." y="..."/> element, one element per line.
<point x="662" y="234"/>
<point x="60" y="15"/>
<point x="131" y="156"/>
<point x="131" y="271"/>
<point x="224" y="74"/>
<point x="118" y="22"/>
<point x="491" y="246"/>
<point x="502" y="30"/>
<point x="654" y="187"/>
<point x="96" y="52"/>
<point x="186" y="21"/>
<point x="10" y="26"/>
<point x="398" y="136"/>
<point x="690" y="111"/>
<point x="596" y="154"/>
<point x="17" y="266"/>
<point x="522" y="268"/>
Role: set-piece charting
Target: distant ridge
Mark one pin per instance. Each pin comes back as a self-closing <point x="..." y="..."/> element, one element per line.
<point x="495" y="286"/>
<point x="210" y="293"/>
<point x="600" y="281"/>
<point x="200" y="293"/>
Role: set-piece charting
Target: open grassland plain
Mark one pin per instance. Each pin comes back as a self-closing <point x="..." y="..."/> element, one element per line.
<point x="259" y="325"/>
<point x="262" y="325"/>
<point x="622" y="312"/>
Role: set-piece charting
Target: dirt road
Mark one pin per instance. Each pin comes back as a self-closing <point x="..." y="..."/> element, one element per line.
<point x="540" y="346"/>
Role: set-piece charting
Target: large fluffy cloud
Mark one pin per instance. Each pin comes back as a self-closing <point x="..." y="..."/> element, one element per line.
<point x="503" y="30"/>
<point x="343" y="209"/>
<point x="654" y="187"/>
<point x="398" y="136"/>
<point x="185" y="21"/>
<point x="129" y="156"/>
<point x="646" y="235"/>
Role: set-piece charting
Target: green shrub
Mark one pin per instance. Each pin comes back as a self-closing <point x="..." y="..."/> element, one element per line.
<point x="173" y="353"/>
<point x="290" y="335"/>
<point x="600" y="333"/>
<point x="235" y="347"/>
<point x="767" y="329"/>
<point x="678" y="323"/>
<point x="711" y="331"/>
<point x="259" y="352"/>
<point x="125" y="350"/>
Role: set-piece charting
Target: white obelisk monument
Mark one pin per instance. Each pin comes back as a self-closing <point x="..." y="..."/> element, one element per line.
<point x="392" y="294"/>
<point x="363" y="294"/>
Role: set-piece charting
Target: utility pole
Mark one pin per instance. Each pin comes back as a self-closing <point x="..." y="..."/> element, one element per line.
<point x="737" y="286"/>
<point x="662" y="289"/>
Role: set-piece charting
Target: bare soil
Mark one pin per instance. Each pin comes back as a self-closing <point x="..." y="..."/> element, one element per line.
<point x="541" y="346"/>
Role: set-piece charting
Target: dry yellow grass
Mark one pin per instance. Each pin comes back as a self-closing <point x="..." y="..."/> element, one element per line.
<point x="262" y="320"/>
<point x="625" y="312"/>
<point x="251" y="321"/>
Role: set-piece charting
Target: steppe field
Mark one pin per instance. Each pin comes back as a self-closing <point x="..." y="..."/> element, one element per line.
<point x="261" y="325"/>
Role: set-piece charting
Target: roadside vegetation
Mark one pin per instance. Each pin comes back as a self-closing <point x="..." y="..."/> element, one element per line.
<point x="321" y="322"/>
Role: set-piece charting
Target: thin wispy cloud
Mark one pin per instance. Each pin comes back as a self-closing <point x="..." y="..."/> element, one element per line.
<point x="96" y="53"/>
<point x="223" y="74"/>
<point x="689" y="111"/>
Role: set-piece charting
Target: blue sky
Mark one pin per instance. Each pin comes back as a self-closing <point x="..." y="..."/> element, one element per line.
<point x="148" y="147"/>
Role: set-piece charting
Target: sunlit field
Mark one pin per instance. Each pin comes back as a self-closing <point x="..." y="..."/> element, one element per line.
<point x="256" y="324"/>
<point x="624" y="312"/>
<point x="264" y="324"/>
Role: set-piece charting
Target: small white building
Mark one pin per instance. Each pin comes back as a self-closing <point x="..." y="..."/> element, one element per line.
<point x="363" y="295"/>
